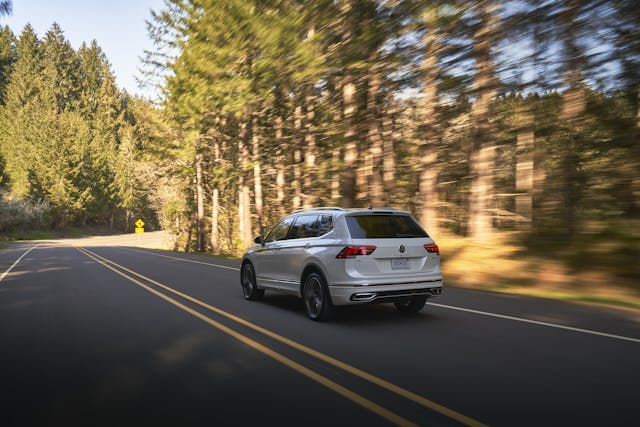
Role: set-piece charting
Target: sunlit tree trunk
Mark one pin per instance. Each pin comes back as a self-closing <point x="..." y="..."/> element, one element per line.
<point x="257" y="175"/>
<point x="310" y="150"/>
<point x="297" y="158"/>
<point x="349" y="103"/>
<point x="200" y="203"/>
<point x="524" y="173"/>
<point x="429" y="166"/>
<point x="244" y="208"/>
<point x="374" y="135"/>
<point x="635" y="184"/>
<point x="280" y="168"/>
<point x="336" y="151"/>
<point x="215" y="193"/>
<point x="482" y="161"/>
<point x="351" y="145"/>
<point x="215" y="212"/>
<point x="388" y="158"/>
<point x="572" y="115"/>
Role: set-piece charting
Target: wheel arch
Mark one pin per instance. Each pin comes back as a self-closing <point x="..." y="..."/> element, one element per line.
<point x="308" y="269"/>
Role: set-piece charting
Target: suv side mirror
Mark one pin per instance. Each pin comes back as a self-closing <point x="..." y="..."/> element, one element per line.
<point x="259" y="240"/>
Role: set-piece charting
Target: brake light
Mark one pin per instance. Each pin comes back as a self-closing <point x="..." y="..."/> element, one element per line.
<point x="352" y="251"/>
<point x="432" y="248"/>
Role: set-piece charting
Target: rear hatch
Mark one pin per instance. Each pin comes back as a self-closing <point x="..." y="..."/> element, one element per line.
<point x="399" y="243"/>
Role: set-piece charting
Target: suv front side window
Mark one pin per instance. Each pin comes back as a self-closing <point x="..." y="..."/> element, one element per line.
<point x="280" y="231"/>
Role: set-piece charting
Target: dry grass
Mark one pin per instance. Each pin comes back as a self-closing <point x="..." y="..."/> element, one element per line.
<point x="505" y="266"/>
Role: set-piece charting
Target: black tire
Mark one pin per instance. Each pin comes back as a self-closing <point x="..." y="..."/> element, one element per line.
<point x="411" y="305"/>
<point x="248" y="282"/>
<point x="316" y="298"/>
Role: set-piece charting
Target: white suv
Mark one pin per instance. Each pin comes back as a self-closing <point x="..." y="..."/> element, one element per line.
<point x="333" y="256"/>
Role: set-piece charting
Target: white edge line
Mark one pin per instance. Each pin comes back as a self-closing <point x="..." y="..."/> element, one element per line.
<point x="468" y="310"/>
<point x="537" y="322"/>
<point x="181" y="259"/>
<point x="17" y="261"/>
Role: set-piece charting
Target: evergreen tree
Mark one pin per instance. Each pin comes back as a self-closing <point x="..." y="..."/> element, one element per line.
<point x="8" y="56"/>
<point x="22" y="101"/>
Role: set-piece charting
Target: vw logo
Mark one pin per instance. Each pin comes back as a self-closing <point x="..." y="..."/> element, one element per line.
<point x="401" y="249"/>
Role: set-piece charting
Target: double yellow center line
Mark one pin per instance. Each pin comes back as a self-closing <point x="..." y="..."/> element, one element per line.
<point x="332" y="385"/>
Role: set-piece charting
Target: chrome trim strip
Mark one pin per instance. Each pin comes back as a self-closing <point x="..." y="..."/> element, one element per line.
<point x="289" y="282"/>
<point x="386" y="284"/>
<point x="401" y="295"/>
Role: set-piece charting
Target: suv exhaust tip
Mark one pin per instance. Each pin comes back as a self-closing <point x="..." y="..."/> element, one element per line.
<point x="363" y="296"/>
<point x="435" y="291"/>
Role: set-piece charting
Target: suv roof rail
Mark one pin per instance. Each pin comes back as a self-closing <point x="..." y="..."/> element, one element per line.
<point x="320" y="208"/>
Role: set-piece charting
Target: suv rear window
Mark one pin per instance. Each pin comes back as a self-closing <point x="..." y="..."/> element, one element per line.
<point x="383" y="227"/>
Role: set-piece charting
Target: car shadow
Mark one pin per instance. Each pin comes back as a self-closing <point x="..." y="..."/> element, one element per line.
<point x="365" y="314"/>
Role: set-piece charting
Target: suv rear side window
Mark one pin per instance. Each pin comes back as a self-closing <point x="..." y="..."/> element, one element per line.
<point x="305" y="226"/>
<point x="383" y="227"/>
<point x="325" y="225"/>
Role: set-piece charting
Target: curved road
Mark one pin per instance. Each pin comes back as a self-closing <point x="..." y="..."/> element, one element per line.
<point x="112" y="335"/>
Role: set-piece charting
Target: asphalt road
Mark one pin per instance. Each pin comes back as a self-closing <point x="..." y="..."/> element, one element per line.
<point x="125" y="336"/>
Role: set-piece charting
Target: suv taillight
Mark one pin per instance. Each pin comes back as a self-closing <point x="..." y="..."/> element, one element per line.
<point x="432" y="248"/>
<point x="352" y="251"/>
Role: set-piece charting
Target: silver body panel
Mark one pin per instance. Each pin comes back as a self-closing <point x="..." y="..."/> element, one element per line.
<point x="397" y="267"/>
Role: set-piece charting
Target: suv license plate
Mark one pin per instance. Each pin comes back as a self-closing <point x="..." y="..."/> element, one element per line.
<point x="399" y="264"/>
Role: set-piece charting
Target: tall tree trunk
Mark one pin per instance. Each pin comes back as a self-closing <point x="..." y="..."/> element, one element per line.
<point x="429" y="165"/>
<point x="215" y="212"/>
<point x="244" y="208"/>
<point x="215" y="201"/>
<point x="310" y="149"/>
<point x="336" y="151"/>
<point x="336" y="156"/>
<point x="200" y="203"/>
<point x="280" y="168"/>
<point x="635" y="181"/>
<point x="257" y="176"/>
<point x="483" y="151"/>
<point x="297" y="158"/>
<point x="374" y="137"/>
<point x="388" y="157"/>
<point x="572" y="116"/>
<point x="351" y="145"/>
<point x="349" y="102"/>
<point x="525" y="173"/>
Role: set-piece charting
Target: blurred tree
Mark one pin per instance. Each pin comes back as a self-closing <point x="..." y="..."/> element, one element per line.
<point x="6" y="7"/>
<point x="483" y="146"/>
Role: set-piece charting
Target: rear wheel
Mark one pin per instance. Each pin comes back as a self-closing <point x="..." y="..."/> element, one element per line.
<point x="411" y="305"/>
<point x="316" y="298"/>
<point x="248" y="281"/>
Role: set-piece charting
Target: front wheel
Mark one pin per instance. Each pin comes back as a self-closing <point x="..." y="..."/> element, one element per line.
<point x="411" y="305"/>
<point x="248" y="281"/>
<point x="316" y="298"/>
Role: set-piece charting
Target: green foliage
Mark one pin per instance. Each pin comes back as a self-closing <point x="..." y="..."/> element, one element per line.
<point x="63" y="125"/>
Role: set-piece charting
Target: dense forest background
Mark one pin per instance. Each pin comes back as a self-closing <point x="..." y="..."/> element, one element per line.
<point x="510" y="129"/>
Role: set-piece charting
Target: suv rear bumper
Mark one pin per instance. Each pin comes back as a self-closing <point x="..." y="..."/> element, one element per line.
<point x="388" y="292"/>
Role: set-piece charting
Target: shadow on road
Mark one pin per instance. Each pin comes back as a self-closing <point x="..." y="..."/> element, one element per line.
<point x="358" y="315"/>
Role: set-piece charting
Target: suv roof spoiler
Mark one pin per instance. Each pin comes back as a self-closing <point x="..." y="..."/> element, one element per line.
<point x="337" y="208"/>
<point x="320" y="208"/>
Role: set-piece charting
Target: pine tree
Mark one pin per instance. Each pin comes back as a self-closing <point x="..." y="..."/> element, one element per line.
<point x="22" y="96"/>
<point x="8" y="55"/>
